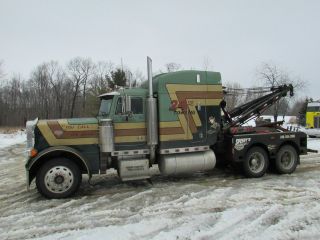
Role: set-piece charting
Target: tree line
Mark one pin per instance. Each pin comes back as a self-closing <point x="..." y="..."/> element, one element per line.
<point x="270" y="75"/>
<point x="56" y="91"/>
<point x="65" y="91"/>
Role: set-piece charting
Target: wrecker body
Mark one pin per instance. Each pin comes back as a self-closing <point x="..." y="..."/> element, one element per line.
<point x="176" y="121"/>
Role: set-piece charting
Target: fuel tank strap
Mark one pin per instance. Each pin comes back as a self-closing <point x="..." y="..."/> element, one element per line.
<point x="184" y="149"/>
<point x="130" y="152"/>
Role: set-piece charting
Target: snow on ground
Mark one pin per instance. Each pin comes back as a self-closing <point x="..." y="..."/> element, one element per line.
<point x="13" y="138"/>
<point x="219" y="204"/>
<point x="314" y="143"/>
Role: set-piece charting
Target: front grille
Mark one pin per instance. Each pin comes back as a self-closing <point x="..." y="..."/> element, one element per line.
<point x="30" y="125"/>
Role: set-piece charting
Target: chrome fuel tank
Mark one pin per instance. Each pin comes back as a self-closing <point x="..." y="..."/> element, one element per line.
<point x="172" y="164"/>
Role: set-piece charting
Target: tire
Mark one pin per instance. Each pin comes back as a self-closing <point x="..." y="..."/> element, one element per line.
<point x="58" y="178"/>
<point x="255" y="163"/>
<point x="286" y="160"/>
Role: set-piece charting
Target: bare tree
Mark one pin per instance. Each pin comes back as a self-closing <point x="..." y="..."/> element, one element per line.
<point x="87" y="68"/>
<point x="75" y="75"/>
<point x="128" y="76"/>
<point x="1" y="70"/>
<point x="299" y="109"/>
<point x="39" y="80"/>
<point x="2" y="106"/>
<point x="172" y="67"/>
<point x="138" y="78"/>
<point x="55" y="91"/>
<point x="98" y="84"/>
<point x="79" y="71"/>
<point x="57" y="78"/>
<point x="233" y="95"/>
<point x="206" y="63"/>
<point x="272" y="76"/>
<point x="101" y="77"/>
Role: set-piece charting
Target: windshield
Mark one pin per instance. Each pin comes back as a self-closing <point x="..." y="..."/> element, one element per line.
<point x="105" y="106"/>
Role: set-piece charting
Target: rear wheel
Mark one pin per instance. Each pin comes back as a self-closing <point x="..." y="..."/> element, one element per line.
<point x="58" y="178"/>
<point x="286" y="160"/>
<point x="256" y="162"/>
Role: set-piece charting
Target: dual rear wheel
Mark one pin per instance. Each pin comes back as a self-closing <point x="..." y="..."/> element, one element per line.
<point x="256" y="161"/>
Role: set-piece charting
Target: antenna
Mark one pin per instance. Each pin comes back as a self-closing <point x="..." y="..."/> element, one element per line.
<point x="121" y="65"/>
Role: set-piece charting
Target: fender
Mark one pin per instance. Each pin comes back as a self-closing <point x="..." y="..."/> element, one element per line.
<point x="51" y="150"/>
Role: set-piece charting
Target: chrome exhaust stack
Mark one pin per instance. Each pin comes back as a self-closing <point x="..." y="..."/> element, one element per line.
<point x="152" y="118"/>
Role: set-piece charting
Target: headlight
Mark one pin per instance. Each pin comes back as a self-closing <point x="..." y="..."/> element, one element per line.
<point x="30" y="125"/>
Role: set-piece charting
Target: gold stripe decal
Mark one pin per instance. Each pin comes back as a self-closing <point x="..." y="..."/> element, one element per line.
<point x="56" y="133"/>
<point x="127" y="125"/>
<point x="130" y="132"/>
<point x="184" y="99"/>
<point x="59" y="133"/>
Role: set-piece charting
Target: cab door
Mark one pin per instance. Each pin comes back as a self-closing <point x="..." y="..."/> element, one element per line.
<point x="198" y="108"/>
<point x="213" y="99"/>
<point x="130" y="128"/>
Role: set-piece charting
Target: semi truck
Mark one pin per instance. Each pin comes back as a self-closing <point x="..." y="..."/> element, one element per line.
<point x="177" y="121"/>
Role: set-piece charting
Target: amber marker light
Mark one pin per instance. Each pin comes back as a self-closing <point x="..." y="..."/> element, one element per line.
<point x="33" y="152"/>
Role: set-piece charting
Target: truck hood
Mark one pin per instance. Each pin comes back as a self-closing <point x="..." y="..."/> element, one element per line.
<point x="73" y="131"/>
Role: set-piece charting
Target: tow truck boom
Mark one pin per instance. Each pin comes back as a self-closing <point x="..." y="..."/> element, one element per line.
<point x="243" y="113"/>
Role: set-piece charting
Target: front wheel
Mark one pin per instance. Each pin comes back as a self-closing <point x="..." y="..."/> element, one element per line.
<point x="286" y="160"/>
<point x="256" y="162"/>
<point x="58" y="178"/>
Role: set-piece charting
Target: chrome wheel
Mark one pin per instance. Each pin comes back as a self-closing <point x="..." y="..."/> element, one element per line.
<point x="58" y="179"/>
<point x="287" y="160"/>
<point x="256" y="162"/>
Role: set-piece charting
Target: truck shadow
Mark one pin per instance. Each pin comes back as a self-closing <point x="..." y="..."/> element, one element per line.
<point x="112" y="184"/>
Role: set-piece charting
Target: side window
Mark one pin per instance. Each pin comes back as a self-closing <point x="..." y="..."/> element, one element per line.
<point x="137" y="105"/>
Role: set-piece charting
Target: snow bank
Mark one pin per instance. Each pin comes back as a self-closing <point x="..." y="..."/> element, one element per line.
<point x="311" y="132"/>
<point x="314" y="143"/>
<point x="7" y="140"/>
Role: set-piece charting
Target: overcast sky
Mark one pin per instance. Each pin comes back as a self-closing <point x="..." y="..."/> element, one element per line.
<point x="235" y="36"/>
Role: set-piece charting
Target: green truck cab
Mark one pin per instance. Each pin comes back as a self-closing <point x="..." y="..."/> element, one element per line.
<point x="134" y="129"/>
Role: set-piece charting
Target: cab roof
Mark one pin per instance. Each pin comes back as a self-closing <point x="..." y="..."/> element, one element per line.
<point x="184" y="77"/>
<point x="179" y="77"/>
<point x="109" y="94"/>
<point x="129" y="91"/>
